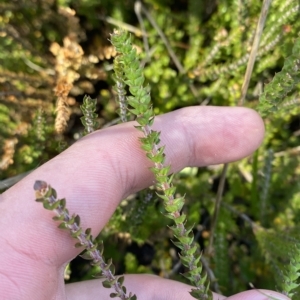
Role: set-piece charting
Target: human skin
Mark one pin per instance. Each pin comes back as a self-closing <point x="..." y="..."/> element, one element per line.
<point x="94" y="175"/>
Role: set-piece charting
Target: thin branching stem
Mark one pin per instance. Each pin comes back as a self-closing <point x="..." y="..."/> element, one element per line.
<point x="140" y="106"/>
<point x="94" y="252"/>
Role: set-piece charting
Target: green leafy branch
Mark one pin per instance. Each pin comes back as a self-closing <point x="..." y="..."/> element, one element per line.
<point x="278" y="249"/>
<point x="131" y="72"/>
<point x="292" y="274"/>
<point x="89" y="119"/>
<point x="47" y="195"/>
<point x="282" y="83"/>
<point x="120" y="89"/>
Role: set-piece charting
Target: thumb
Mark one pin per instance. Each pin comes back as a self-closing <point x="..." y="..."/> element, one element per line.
<point x="258" y="295"/>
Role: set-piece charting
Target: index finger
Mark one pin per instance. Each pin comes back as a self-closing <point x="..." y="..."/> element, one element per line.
<point x="104" y="167"/>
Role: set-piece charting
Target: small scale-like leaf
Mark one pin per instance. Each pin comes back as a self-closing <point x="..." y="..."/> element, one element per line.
<point x="63" y="203"/>
<point x="112" y="268"/>
<point x="178" y="245"/>
<point x="63" y="226"/>
<point x="75" y="234"/>
<point x="171" y="208"/>
<point x="106" y="284"/>
<point x="180" y="219"/>
<point x="113" y="295"/>
<point x="170" y="191"/>
<point x="121" y="280"/>
<point x="200" y="294"/>
<point x="196" y="271"/>
<point x="185" y="239"/>
<point x="139" y="81"/>
<point x="58" y="218"/>
<point x="165" y="198"/>
<point x="52" y="192"/>
<point x="134" y="111"/>
<point x="86" y="255"/>
<point x="55" y="205"/>
<point x="189" y="229"/>
<point x="77" y="220"/>
<point x="72" y="220"/>
<point x="88" y="233"/>
<point x="202" y="279"/>
<point x="47" y="205"/>
<point x="170" y="216"/>
<point x="108" y="264"/>
<point x="192" y="250"/>
<point x="39" y="200"/>
<point x="94" y="247"/>
<point x="186" y="261"/>
<point x="147" y="147"/>
<point x="78" y="245"/>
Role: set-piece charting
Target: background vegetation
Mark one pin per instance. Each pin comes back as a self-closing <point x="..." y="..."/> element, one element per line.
<point x="52" y="53"/>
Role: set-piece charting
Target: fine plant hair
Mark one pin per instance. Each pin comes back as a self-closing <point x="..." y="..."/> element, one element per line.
<point x="131" y="73"/>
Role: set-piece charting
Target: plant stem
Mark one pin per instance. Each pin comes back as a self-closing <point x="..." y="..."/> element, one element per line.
<point x="140" y="106"/>
<point x="47" y="195"/>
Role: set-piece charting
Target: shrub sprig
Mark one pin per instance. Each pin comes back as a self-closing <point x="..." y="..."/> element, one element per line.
<point x="89" y="119"/>
<point x="94" y="252"/>
<point x="140" y="105"/>
<point x="120" y="89"/>
<point x="282" y="83"/>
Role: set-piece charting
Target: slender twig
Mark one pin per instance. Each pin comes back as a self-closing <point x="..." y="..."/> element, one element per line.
<point x="212" y="278"/>
<point x="37" y="68"/>
<point x="217" y="209"/>
<point x="111" y="123"/>
<point x="289" y="151"/>
<point x="8" y="93"/>
<point x="122" y="25"/>
<point x="241" y="215"/>
<point x="7" y="183"/>
<point x="254" y="49"/>
<point x="94" y="252"/>
<point x="266" y="182"/>
<point x="172" y="54"/>
<point x="249" y="70"/>
<point x="138" y="12"/>
<point x="163" y="37"/>
<point x="262" y="293"/>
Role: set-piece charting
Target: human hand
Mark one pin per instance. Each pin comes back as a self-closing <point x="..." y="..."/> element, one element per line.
<point x="94" y="175"/>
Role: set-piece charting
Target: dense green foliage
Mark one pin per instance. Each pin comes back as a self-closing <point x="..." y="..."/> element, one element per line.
<point x="192" y="54"/>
